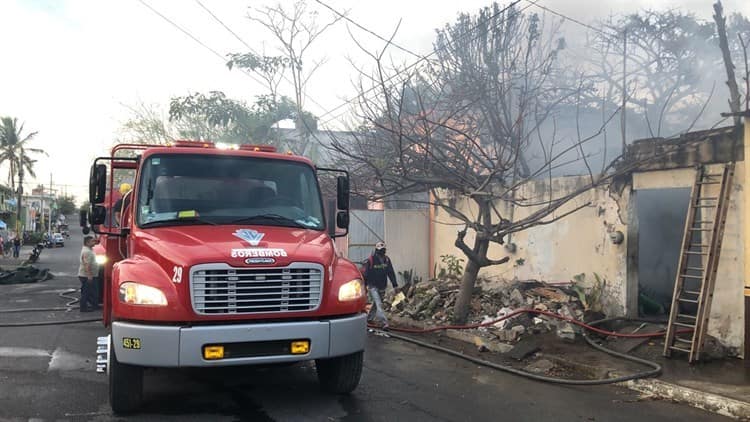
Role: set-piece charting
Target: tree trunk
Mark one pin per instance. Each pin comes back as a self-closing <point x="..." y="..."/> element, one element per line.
<point x="734" y="92"/>
<point x="463" y="301"/>
<point x="481" y="246"/>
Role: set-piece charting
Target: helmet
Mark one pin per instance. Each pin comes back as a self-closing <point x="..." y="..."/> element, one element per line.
<point x="125" y="188"/>
<point x="379" y="246"/>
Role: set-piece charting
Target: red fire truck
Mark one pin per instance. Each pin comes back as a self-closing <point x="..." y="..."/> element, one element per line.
<point x="222" y="256"/>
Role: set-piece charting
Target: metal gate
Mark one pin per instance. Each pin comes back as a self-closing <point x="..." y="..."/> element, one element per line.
<point x="366" y="229"/>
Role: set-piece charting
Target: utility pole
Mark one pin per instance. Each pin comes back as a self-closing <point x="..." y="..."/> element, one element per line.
<point x="20" y="195"/>
<point x="624" y="87"/>
<point x="49" y="227"/>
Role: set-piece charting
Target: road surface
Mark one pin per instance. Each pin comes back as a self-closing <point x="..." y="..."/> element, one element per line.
<point x="48" y="373"/>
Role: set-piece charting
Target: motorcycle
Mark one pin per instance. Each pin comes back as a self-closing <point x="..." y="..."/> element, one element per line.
<point x="34" y="255"/>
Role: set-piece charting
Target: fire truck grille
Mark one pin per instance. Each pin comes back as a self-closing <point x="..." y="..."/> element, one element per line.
<point x="220" y="289"/>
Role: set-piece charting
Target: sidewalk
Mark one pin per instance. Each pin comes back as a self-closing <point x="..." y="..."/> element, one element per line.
<point x="720" y="386"/>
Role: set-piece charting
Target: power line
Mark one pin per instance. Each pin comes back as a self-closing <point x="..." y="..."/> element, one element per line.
<point x="194" y="38"/>
<point x="369" y="31"/>
<point x="435" y="51"/>
<point x="286" y="78"/>
<point x="585" y="25"/>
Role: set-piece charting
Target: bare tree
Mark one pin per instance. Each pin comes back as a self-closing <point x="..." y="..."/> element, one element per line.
<point x="145" y="125"/>
<point x="734" y="91"/>
<point x="669" y="58"/>
<point x="466" y="130"/>
<point x="296" y="29"/>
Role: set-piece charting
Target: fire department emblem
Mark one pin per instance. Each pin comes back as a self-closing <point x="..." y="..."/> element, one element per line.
<point x="250" y="236"/>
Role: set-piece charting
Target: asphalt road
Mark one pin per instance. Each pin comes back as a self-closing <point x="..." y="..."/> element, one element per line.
<point x="47" y="373"/>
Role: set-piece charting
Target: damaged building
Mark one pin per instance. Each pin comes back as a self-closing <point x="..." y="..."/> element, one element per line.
<point x="629" y="236"/>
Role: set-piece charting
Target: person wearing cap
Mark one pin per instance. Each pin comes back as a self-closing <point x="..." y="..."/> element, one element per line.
<point x="123" y="202"/>
<point x="377" y="270"/>
<point x="88" y="270"/>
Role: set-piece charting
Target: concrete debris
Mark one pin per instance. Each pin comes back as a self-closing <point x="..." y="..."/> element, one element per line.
<point x="481" y="344"/>
<point x="566" y="332"/>
<point x="519" y="329"/>
<point x="552" y="294"/>
<point x="398" y="299"/>
<point x="516" y="297"/>
<point x="507" y="336"/>
<point x="432" y="303"/>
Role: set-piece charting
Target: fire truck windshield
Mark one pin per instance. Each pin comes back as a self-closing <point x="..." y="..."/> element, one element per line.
<point x="182" y="189"/>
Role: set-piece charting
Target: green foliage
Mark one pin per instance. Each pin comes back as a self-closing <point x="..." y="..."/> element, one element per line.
<point x="234" y="121"/>
<point x="592" y="296"/>
<point x="14" y="148"/>
<point x="269" y="65"/>
<point x="454" y="266"/>
<point x="66" y="205"/>
<point x="35" y="237"/>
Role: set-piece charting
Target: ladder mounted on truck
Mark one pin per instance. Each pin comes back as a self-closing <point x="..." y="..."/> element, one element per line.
<point x="699" y="261"/>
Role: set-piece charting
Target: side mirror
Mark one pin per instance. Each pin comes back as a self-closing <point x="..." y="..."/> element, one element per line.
<point x="342" y="195"/>
<point x="342" y="220"/>
<point x="83" y="217"/>
<point x="97" y="183"/>
<point x="98" y="215"/>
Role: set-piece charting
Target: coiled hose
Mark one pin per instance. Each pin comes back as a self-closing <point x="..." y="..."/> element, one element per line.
<point x="654" y="371"/>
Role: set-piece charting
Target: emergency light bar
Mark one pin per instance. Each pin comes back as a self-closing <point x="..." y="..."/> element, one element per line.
<point x="193" y="144"/>
<point x="260" y="148"/>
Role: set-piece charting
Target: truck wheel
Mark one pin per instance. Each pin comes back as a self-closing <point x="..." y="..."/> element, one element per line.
<point x="125" y="385"/>
<point x="340" y="375"/>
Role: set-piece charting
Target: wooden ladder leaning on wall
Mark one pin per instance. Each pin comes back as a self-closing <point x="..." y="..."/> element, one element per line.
<point x="699" y="261"/>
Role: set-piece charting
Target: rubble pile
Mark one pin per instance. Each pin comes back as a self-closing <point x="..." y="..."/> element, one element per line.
<point x="432" y="302"/>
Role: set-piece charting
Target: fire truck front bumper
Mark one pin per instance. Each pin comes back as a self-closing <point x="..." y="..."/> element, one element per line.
<point x="237" y="344"/>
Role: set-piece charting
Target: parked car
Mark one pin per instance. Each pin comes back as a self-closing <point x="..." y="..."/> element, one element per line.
<point x="58" y="240"/>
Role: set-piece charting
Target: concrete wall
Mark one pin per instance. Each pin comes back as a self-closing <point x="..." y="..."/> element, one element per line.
<point x="580" y="243"/>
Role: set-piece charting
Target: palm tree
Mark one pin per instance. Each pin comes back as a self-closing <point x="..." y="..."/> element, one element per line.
<point x="14" y="149"/>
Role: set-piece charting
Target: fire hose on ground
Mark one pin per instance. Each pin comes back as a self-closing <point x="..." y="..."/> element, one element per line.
<point x="592" y="326"/>
<point x="68" y="307"/>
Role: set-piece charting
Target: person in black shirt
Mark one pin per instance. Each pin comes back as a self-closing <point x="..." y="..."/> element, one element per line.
<point x="378" y="269"/>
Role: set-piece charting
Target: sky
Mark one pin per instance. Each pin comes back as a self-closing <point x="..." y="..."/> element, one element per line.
<point x="71" y="68"/>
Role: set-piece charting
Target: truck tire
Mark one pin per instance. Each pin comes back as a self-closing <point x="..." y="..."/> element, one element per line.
<point x="340" y="375"/>
<point x="125" y="385"/>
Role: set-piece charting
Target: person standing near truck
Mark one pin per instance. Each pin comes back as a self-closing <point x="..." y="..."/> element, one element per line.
<point x="377" y="271"/>
<point x="88" y="270"/>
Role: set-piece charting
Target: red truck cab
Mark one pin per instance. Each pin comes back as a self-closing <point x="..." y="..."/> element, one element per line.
<point x="223" y="257"/>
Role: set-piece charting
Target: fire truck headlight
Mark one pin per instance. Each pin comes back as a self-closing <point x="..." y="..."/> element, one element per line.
<point x="352" y="290"/>
<point x="139" y="294"/>
<point x="101" y="259"/>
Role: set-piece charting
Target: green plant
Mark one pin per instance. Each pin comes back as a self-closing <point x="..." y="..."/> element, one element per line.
<point x="592" y="296"/>
<point x="454" y="266"/>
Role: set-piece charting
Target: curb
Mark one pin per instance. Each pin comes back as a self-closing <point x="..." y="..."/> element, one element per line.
<point x="709" y="402"/>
